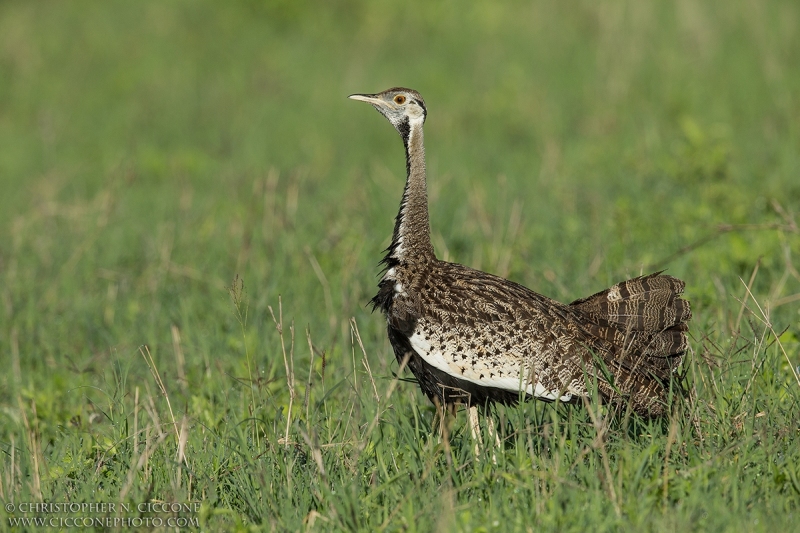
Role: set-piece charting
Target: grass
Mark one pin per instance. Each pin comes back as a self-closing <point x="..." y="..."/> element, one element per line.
<point x="192" y="213"/>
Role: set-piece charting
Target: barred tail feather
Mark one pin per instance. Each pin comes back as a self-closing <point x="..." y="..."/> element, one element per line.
<point x="646" y="303"/>
<point x="641" y="324"/>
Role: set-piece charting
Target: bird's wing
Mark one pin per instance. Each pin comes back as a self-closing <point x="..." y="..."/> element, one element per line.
<point x="494" y="333"/>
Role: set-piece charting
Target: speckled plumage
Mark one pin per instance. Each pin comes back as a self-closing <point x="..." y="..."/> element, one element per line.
<point x="471" y="337"/>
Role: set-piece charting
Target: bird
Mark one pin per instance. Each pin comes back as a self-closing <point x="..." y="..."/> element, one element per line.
<point x="473" y="338"/>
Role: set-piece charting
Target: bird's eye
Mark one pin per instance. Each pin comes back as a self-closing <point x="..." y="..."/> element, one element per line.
<point x="399" y="99"/>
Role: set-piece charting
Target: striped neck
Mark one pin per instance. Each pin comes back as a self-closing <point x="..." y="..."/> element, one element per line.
<point x="411" y="239"/>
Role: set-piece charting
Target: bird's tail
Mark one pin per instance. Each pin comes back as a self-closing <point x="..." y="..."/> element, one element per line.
<point x="642" y="323"/>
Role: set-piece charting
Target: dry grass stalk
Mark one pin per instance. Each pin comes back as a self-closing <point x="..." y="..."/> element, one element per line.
<point x="142" y="462"/>
<point x="354" y="334"/>
<point x="765" y="319"/>
<point x="151" y="364"/>
<point x="34" y="446"/>
<point x="599" y="443"/>
<point x="288" y="363"/>
<point x="310" y="373"/>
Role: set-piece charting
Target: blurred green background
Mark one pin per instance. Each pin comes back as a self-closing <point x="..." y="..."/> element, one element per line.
<point x="150" y="152"/>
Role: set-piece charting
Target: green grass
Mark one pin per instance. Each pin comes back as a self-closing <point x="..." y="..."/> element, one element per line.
<point x="155" y="156"/>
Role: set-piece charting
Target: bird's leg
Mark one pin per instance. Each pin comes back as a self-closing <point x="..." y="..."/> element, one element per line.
<point x="493" y="433"/>
<point x="475" y="429"/>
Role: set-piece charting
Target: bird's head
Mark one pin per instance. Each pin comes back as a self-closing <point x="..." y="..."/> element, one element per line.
<point x="403" y="107"/>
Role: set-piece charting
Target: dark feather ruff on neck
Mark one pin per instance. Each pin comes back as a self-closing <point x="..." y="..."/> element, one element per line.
<point x="383" y="300"/>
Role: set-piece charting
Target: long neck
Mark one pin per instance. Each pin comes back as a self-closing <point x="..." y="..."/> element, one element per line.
<point x="411" y="240"/>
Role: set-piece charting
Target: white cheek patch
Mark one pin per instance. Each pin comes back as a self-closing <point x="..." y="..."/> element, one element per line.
<point x="417" y="118"/>
<point x="438" y="360"/>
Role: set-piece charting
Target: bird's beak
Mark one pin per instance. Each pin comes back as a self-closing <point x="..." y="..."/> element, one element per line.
<point x="369" y="98"/>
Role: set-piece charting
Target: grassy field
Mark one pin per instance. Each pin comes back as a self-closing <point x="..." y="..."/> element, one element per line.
<point x="180" y="178"/>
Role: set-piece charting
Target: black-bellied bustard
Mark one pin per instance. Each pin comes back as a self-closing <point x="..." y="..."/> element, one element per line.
<point x="473" y="338"/>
